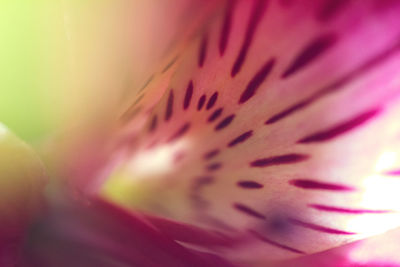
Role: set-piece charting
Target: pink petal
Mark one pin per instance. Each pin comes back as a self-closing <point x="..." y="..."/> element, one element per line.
<point x="100" y="234"/>
<point x="381" y="250"/>
<point x="276" y="124"/>
<point x="22" y="180"/>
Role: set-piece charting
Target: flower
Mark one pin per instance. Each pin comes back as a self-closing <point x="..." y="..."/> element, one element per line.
<point x="267" y="133"/>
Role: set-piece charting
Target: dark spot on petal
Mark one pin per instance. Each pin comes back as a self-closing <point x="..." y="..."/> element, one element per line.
<point x="153" y="124"/>
<point x="240" y="139"/>
<point x="319" y="228"/>
<point x="215" y="115"/>
<point x="339" y="83"/>
<point x="188" y="95"/>
<point x="344" y="210"/>
<point x="257" y="80"/>
<point x="169" y="65"/>
<point x="201" y="102"/>
<point x="340" y="129"/>
<point x="146" y="83"/>
<point x="131" y="113"/>
<point x="211" y="102"/>
<point x="214" y="166"/>
<point x="210" y="154"/>
<point x="180" y="132"/>
<point x="138" y="99"/>
<point x="225" y="122"/>
<point x="247" y="210"/>
<point x="279" y="160"/>
<point x="289" y="111"/>
<point x="274" y="243"/>
<point x="310" y="53"/>
<point x="226" y="28"/>
<point x="317" y="185"/>
<point x="255" y="19"/>
<point x="203" y="50"/>
<point x="170" y="105"/>
<point x="250" y="185"/>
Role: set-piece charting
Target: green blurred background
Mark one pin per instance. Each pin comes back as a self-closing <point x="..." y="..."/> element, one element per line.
<point x="22" y="103"/>
<point x="66" y="64"/>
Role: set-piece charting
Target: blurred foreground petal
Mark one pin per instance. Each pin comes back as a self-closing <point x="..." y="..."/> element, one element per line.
<point x="98" y="234"/>
<point x="22" y="179"/>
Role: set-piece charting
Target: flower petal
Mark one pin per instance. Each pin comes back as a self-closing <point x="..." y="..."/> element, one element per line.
<point x="21" y="185"/>
<point x="101" y="234"/>
<point x="376" y="251"/>
<point x="273" y="125"/>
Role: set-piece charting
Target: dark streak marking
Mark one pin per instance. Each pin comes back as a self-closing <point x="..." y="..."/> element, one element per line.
<point x="131" y="113"/>
<point x="338" y="84"/>
<point x="249" y="185"/>
<point x="138" y="99"/>
<point x="225" y="122"/>
<point x="180" y="132"/>
<point x="188" y="95"/>
<point x="226" y="28"/>
<point x="170" y="104"/>
<point x="153" y="124"/>
<point x="211" y="102"/>
<point x="249" y="211"/>
<point x="255" y="19"/>
<point x="215" y="115"/>
<point x="169" y="64"/>
<point x="210" y="154"/>
<point x="311" y="52"/>
<point x="288" y="111"/>
<point x="241" y="138"/>
<point x="184" y="232"/>
<point x="330" y="9"/>
<point x="319" y="228"/>
<point x="316" y="185"/>
<point x="146" y="83"/>
<point x="273" y="243"/>
<point x="201" y="102"/>
<point x="214" y="166"/>
<point x="257" y="80"/>
<point x="278" y="160"/>
<point x="218" y="223"/>
<point x="203" y="51"/>
<point x="344" y="210"/>
<point x="340" y="129"/>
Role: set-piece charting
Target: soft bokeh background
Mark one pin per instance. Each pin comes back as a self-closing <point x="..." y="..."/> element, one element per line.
<point x="68" y="62"/>
<point x="21" y="102"/>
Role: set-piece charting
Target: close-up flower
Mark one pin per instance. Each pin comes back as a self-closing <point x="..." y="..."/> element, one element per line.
<point x="232" y="133"/>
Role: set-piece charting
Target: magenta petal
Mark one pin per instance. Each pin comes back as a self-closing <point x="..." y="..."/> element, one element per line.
<point x="378" y="251"/>
<point x="22" y="181"/>
<point x="100" y="234"/>
<point x="267" y="111"/>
